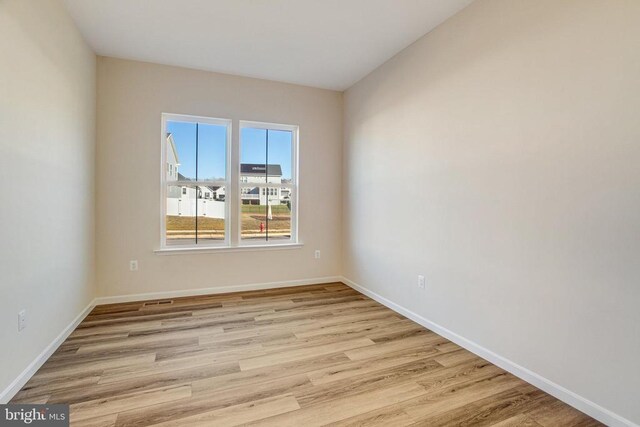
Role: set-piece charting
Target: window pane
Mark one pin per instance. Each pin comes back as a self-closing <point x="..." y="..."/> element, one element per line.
<point x="253" y="155"/>
<point x="253" y="221"/>
<point x="181" y="215"/>
<point x="279" y="213"/>
<point x="259" y="148"/>
<point x="195" y="215"/>
<point x="266" y="213"/>
<point x="196" y="151"/>
<point x="279" y="156"/>
<point x="211" y="213"/>
<point x="212" y="152"/>
<point x="181" y="150"/>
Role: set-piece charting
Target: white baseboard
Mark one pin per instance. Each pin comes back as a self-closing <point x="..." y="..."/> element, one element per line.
<point x="216" y="290"/>
<point x="13" y="388"/>
<point x="588" y="407"/>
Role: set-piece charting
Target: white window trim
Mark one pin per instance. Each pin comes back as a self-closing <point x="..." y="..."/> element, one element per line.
<point x="163" y="179"/>
<point x="177" y="250"/>
<point x="233" y="201"/>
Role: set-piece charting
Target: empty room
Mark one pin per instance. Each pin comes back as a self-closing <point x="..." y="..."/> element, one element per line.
<point x="309" y="213"/>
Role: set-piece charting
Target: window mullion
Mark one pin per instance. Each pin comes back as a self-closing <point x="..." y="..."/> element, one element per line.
<point x="233" y="195"/>
<point x="197" y="187"/>
<point x="266" y="179"/>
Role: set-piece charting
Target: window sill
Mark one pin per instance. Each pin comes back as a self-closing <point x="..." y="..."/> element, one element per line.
<point x="221" y="249"/>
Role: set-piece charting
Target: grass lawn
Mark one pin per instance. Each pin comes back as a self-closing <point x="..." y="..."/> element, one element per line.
<point x="176" y="223"/>
<point x="251" y="222"/>
<point x="252" y="217"/>
<point x="275" y="209"/>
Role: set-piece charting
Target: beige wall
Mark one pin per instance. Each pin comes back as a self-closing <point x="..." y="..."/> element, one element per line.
<point x="131" y="97"/>
<point x="47" y="144"/>
<point x="500" y="156"/>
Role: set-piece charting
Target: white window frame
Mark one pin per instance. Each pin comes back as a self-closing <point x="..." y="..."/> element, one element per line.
<point x="233" y="187"/>
<point x="168" y="117"/>
<point x="294" y="185"/>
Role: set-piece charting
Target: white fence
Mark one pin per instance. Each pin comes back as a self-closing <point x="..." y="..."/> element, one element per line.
<point x="187" y="207"/>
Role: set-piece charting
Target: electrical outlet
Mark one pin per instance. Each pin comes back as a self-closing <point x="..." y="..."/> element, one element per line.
<point x="421" y="281"/>
<point x="133" y="265"/>
<point x="22" y="319"/>
<point x="317" y="254"/>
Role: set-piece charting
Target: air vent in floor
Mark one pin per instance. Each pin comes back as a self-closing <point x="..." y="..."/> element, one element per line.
<point x="160" y="302"/>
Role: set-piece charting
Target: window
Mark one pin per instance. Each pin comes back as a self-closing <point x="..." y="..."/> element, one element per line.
<point x="268" y="170"/>
<point x="261" y="208"/>
<point x="199" y="147"/>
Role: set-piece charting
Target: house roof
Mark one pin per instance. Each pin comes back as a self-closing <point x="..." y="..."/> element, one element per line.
<point x="259" y="169"/>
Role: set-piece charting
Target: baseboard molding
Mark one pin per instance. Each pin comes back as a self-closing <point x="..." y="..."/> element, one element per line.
<point x="216" y="290"/>
<point x="588" y="407"/>
<point x="13" y="388"/>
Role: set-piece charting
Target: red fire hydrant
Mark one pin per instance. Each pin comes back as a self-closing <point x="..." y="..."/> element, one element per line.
<point x="261" y="227"/>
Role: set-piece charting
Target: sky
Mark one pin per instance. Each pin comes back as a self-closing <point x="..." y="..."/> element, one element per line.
<point x="211" y="149"/>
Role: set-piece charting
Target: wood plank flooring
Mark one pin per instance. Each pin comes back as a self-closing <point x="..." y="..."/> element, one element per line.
<point x="305" y="356"/>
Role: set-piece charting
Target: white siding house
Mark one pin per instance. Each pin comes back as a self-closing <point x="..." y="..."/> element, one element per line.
<point x="256" y="173"/>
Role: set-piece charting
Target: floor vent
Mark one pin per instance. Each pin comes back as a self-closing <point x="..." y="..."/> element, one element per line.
<point x="159" y="302"/>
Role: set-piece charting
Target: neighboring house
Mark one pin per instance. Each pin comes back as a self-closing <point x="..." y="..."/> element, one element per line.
<point x="218" y="193"/>
<point x="173" y="163"/>
<point x="249" y="173"/>
<point x="256" y="173"/>
<point x="172" y="159"/>
<point x="212" y="193"/>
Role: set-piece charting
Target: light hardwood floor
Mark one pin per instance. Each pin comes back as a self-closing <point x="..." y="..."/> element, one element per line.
<point x="304" y="356"/>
